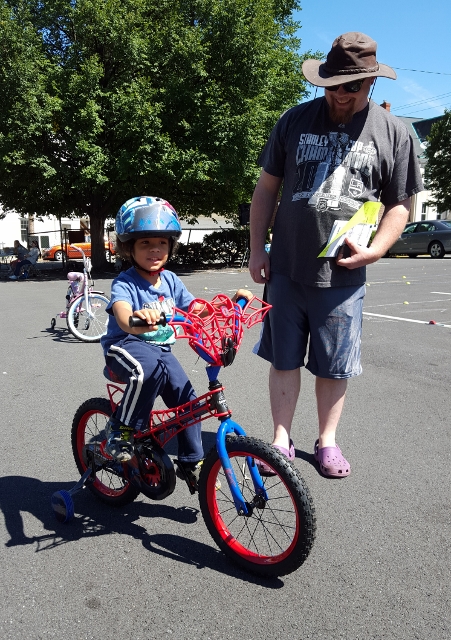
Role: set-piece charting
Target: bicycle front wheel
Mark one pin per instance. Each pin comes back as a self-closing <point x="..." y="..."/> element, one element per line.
<point x="277" y="535"/>
<point x="87" y="321"/>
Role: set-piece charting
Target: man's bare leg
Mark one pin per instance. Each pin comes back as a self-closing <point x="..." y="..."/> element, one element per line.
<point x="284" y="388"/>
<point x="330" y="397"/>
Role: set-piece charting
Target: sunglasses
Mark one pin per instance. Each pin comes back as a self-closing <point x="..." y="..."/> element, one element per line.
<point x="350" y="87"/>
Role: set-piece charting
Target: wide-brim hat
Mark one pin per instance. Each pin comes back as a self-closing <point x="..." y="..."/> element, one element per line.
<point x="352" y="57"/>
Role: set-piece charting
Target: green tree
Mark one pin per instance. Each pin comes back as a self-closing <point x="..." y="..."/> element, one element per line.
<point x="438" y="168"/>
<point x="106" y="99"/>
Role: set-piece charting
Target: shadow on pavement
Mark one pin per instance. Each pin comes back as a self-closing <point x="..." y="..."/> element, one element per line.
<point x="23" y="494"/>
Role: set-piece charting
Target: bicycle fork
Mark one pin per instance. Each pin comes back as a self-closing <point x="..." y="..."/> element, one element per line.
<point x="228" y="427"/>
<point x="243" y="508"/>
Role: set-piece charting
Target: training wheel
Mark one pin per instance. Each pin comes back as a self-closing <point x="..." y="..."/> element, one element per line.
<point x="52" y="323"/>
<point x="63" y="506"/>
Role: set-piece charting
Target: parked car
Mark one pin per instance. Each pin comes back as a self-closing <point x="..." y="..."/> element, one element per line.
<point x="428" y="236"/>
<point x="56" y="252"/>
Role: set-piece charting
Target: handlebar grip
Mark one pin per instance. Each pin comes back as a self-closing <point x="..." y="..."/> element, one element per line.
<point x="242" y="302"/>
<point x="134" y="321"/>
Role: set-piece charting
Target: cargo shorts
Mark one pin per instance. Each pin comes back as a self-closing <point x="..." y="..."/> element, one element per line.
<point x="326" y="321"/>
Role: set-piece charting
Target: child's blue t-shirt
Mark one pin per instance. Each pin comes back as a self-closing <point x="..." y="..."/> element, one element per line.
<point x="130" y="287"/>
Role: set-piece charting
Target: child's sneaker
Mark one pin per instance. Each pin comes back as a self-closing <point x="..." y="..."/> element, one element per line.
<point x="190" y="472"/>
<point x="119" y="440"/>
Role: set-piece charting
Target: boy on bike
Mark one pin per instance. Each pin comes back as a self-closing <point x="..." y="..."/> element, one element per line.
<point x="147" y="230"/>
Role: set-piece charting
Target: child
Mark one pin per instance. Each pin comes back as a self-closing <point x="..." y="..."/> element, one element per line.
<point x="147" y="230"/>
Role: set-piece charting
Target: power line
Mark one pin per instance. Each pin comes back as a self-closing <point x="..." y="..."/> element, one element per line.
<point x="411" y="104"/>
<point x="427" y="108"/>
<point x="439" y="73"/>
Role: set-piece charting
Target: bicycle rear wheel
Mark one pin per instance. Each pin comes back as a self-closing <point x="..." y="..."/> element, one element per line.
<point x="277" y="535"/>
<point x="88" y="432"/>
<point x="88" y="327"/>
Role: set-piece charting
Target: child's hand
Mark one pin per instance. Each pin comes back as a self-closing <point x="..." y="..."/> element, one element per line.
<point x="242" y="293"/>
<point x="151" y="316"/>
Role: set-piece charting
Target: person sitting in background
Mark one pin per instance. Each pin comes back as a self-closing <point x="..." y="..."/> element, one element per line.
<point x="30" y="258"/>
<point x="20" y="251"/>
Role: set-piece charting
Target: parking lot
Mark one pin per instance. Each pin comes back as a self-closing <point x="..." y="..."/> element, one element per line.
<point x="379" y="568"/>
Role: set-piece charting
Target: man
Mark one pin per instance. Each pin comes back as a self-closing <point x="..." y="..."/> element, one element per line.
<point x="340" y="157"/>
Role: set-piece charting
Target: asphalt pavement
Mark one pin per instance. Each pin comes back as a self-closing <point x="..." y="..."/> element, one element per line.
<point x="380" y="565"/>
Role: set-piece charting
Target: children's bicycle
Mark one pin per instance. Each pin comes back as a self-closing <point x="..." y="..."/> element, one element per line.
<point x="85" y="312"/>
<point x="264" y="522"/>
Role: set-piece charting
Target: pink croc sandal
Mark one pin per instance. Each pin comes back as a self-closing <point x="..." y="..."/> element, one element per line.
<point x="289" y="453"/>
<point x="331" y="461"/>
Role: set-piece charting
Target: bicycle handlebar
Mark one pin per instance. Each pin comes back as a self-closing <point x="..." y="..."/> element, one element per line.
<point x="134" y="321"/>
<point x="213" y="329"/>
<point x="77" y="249"/>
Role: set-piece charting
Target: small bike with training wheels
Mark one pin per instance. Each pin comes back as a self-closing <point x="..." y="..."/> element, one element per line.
<point x="263" y="521"/>
<point x="85" y="312"/>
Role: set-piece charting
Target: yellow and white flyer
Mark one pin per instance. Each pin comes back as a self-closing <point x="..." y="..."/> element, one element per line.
<point x="358" y="229"/>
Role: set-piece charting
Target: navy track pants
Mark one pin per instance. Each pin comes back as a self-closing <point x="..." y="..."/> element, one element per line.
<point x="153" y="371"/>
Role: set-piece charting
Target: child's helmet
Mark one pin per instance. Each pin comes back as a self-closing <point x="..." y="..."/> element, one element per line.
<point x="146" y="216"/>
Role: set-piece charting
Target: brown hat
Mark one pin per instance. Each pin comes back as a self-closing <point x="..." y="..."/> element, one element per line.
<point x="352" y="57"/>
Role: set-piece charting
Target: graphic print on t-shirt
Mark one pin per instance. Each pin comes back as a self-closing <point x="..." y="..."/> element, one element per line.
<point x="333" y="170"/>
<point x="163" y="335"/>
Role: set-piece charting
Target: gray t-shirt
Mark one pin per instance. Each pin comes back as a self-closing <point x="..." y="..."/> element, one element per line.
<point x="329" y="172"/>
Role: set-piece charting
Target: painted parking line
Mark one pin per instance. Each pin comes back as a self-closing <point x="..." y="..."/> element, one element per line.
<point x="441" y="293"/>
<point x="397" y="304"/>
<point x="379" y="315"/>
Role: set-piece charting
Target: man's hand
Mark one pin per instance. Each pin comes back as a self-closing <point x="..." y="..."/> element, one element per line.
<point x="360" y="256"/>
<point x="390" y="228"/>
<point x="259" y="266"/>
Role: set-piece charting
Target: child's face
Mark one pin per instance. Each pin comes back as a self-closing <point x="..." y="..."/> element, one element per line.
<point x="151" y="253"/>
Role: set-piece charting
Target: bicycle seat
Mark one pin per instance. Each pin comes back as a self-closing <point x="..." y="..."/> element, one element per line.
<point x="111" y="376"/>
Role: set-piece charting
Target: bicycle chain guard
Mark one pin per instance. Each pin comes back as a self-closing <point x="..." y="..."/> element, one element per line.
<point x="155" y="473"/>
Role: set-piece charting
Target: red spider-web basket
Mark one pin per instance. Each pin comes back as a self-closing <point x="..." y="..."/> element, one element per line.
<point x="214" y="331"/>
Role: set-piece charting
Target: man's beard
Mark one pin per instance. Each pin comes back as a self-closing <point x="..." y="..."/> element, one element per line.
<point x="340" y="116"/>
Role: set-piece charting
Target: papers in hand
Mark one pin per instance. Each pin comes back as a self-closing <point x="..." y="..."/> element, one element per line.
<point x="358" y="229"/>
<point x="359" y="234"/>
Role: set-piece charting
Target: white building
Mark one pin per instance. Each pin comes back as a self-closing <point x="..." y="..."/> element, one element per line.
<point x="47" y="230"/>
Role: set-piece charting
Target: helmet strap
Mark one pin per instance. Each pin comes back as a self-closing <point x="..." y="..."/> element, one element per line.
<point x="150" y="273"/>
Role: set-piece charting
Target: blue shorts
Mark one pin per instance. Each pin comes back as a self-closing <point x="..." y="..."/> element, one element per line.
<point x="328" y="320"/>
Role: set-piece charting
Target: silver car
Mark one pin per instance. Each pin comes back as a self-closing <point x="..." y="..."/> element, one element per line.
<point x="428" y="236"/>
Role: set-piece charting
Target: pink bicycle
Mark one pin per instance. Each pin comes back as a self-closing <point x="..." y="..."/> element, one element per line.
<point x="85" y="312"/>
<point x="265" y="523"/>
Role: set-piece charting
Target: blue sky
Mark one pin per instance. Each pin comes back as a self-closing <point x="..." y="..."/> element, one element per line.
<point x="409" y="35"/>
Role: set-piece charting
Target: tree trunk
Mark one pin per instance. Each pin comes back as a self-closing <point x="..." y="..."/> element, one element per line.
<point x="97" y="226"/>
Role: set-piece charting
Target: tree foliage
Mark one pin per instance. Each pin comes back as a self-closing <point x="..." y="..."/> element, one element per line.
<point x="438" y="168"/>
<point x="106" y="99"/>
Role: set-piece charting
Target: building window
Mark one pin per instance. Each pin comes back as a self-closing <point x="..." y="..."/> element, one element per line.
<point x="423" y="216"/>
<point x="423" y="209"/>
<point x="24" y="229"/>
